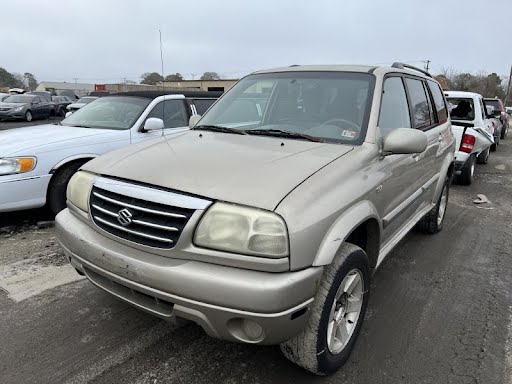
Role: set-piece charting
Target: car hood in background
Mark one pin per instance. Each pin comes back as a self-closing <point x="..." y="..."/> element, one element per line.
<point x="12" y="105"/>
<point x="250" y="170"/>
<point x="26" y="140"/>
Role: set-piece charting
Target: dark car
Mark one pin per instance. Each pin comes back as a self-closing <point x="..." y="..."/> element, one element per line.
<point x="46" y="94"/>
<point x="499" y="113"/>
<point x="27" y="107"/>
<point x="68" y="93"/>
<point x="61" y="103"/>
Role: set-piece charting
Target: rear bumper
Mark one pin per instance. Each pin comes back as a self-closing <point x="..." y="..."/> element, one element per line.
<point x="23" y="193"/>
<point x="460" y="161"/>
<point x="222" y="300"/>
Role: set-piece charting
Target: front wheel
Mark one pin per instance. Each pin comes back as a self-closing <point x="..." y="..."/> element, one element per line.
<point x="56" y="198"/>
<point x="337" y="313"/>
<point x="28" y="116"/>
<point x="504" y="130"/>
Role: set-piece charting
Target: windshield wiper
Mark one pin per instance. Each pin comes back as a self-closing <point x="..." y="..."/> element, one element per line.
<point x="281" y="133"/>
<point x="58" y="123"/>
<point x="80" y="126"/>
<point x="217" y="128"/>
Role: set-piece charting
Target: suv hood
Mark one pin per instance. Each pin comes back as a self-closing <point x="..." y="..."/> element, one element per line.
<point x="14" y="141"/>
<point x="251" y="170"/>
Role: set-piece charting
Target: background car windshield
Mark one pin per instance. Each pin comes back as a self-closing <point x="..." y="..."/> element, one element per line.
<point x="332" y="106"/>
<point x="109" y="113"/>
<point x="493" y="103"/>
<point x="461" y="108"/>
<point x="19" y="99"/>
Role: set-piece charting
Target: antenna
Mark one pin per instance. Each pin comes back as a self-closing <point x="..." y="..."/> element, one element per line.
<point x="163" y="79"/>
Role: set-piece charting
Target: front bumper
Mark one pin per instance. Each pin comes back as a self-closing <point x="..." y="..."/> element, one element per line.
<point x="222" y="300"/>
<point x="12" y="115"/>
<point x="17" y="192"/>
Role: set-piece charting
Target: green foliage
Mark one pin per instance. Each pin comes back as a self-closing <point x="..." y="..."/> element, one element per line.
<point x="10" y="80"/>
<point x="151" y="78"/>
<point x="174" y="77"/>
<point x="210" y="76"/>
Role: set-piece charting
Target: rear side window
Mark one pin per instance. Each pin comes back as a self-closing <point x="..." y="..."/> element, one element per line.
<point x="439" y="102"/>
<point x="172" y="112"/>
<point x="202" y="105"/>
<point x="394" y="110"/>
<point x="419" y="104"/>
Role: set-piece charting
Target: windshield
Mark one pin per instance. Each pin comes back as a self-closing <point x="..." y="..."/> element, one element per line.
<point x="86" y="100"/>
<point x="461" y="108"/>
<point x="19" y="99"/>
<point x="108" y="113"/>
<point x="332" y="106"/>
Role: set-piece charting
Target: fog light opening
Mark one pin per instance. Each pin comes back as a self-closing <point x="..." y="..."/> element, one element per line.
<point x="252" y="329"/>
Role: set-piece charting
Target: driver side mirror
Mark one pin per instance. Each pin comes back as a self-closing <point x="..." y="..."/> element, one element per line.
<point x="193" y="120"/>
<point x="153" y="124"/>
<point x="403" y="141"/>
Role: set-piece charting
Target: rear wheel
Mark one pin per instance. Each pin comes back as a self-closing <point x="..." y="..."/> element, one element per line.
<point x="483" y="157"/>
<point x="28" y="116"/>
<point x="337" y="313"/>
<point x="434" y="220"/>
<point x="56" y="198"/>
<point x="467" y="172"/>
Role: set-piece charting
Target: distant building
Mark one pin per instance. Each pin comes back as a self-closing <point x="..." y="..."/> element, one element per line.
<point x="80" y="89"/>
<point x="203" y="85"/>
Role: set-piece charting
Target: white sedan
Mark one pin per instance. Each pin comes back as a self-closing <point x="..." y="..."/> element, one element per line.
<point x="37" y="162"/>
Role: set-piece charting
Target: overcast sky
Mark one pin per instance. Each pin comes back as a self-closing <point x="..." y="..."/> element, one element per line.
<point x="107" y="40"/>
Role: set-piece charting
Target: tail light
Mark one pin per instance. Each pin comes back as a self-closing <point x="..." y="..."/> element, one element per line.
<point x="468" y="142"/>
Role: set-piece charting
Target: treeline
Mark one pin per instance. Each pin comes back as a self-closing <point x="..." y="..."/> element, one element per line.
<point x="488" y="85"/>
<point x="25" y="81"/>
<point x="153" y="78"/>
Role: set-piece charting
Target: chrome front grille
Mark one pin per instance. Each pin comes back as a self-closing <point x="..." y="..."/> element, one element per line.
<point x="138" y="220"/>
<point x="4" y="109"/>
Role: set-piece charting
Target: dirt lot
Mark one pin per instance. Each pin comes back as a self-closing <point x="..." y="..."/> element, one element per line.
<point x="440" y="311"/>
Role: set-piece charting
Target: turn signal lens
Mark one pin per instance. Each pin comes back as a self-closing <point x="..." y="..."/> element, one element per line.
<point x="26" y="164"/>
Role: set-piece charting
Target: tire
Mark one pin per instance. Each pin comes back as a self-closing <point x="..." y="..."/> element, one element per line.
<point x="433" y="221"/>
<point x="504" y="130"/>
<point x="28" y="116"/>
<point x="483" y="157"/>
<point x="467" y="172"/>
<point x="56" y="197"/>
<point x="311" y="349"/>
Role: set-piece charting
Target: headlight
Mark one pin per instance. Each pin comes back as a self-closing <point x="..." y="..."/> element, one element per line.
<point x="17" y="109"/>
<point x="250" y="231"/>
<point x="79" y="188"/>
<point x="12" y="165"/>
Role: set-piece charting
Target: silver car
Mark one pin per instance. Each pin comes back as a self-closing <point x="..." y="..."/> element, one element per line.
<point x="265" y="222"/>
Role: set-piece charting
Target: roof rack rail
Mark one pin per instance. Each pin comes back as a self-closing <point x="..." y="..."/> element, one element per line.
<point x="402" y="66"/>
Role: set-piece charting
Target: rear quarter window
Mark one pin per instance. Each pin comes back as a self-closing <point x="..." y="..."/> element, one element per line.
<point x="439" y="101"/>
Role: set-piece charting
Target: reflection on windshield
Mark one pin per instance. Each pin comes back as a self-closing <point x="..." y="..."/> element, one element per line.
<point x="109" y="113"/>
<point x="86" y="100"/>
<point x="328" y="105"/>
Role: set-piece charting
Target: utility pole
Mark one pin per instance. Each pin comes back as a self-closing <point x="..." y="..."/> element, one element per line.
<point x="508" y="86"/>
<point x="427" y="63"/>
<point x="162" y="58"/>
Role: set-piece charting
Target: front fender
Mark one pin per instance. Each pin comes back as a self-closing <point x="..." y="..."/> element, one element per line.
<point x="342" y="228"/>
<point x="84" y="156"/>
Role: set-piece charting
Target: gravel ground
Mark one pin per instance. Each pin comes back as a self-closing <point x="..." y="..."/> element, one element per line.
<point x="440" y="311"/>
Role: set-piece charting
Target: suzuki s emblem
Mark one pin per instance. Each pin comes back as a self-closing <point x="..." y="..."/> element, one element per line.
<point x="124" y="216"/>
